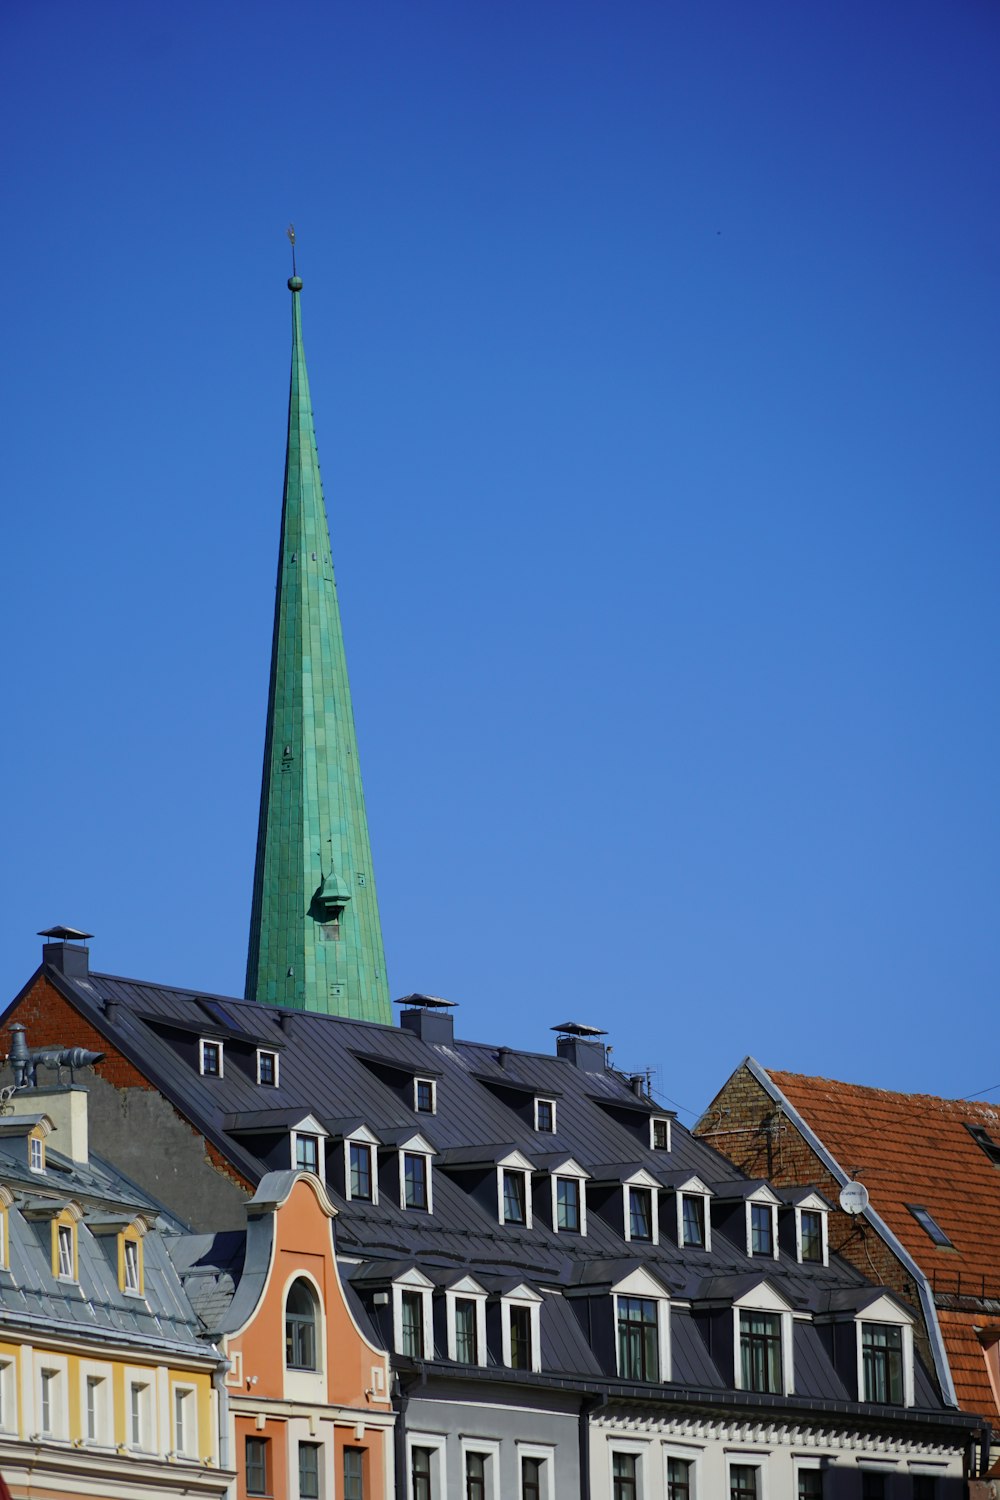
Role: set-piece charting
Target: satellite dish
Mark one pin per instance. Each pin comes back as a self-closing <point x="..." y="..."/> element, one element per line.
<point x="854" y="1198"/>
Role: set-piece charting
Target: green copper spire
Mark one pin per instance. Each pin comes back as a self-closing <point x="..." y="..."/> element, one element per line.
<point x="315" y="935"/>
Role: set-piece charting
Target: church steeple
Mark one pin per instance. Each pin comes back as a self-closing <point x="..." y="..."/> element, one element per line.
<point x="315" y="935"/>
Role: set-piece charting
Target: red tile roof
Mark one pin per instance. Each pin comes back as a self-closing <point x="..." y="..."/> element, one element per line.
<point x="915" y="1149"/>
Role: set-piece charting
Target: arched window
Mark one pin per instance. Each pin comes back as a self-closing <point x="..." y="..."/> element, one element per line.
<point x="300" y="1327"/>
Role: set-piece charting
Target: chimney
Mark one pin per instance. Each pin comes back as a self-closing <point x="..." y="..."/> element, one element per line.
<point x="66" y="951"/>
<point x="66" y="1106"/>
<point x="429" y="1017"/>
<point x="577" y="1044"/>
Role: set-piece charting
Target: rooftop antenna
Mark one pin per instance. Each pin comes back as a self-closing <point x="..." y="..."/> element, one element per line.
<point x="290" y="231"/>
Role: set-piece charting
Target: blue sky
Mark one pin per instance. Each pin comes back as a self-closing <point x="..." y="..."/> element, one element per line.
<point x="654" y="352"/>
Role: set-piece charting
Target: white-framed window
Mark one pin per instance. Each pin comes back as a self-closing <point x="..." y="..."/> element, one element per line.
<point x="694" y="1215"/>
<point x="811" y="1244"/>
<point x="210" y="1061"/>
<point x="411" y="1315"/>
<point x="426" y="1466"/>
<point x="520" y="1329"/>
<point x="884" y="1335"/>
<point x="681" y="1472"/>
<point x="185" y="1417"/>
<point x="361" y="1166"/>
<point x="51" y="1398"/>
<point x="809" y="1479"/>
<point x="627" y="1465"/>
<point x="131" y="1266"/>
<point x="425" y="1096"/>
<point x="762" y="1224"/>
<point x="641" y="1312"/>
<point x="514" y="1190"/>
<point x="140" y="1415"/>
<point x="762" y="1341"/>
<point x="66" y="1252"/>
<point x="267" y="1068"/>
<point x="465" y="1320"/>
<point x="535" y="1471"/>
<point x="745" y="1477"/>
<point x="96" y="1406"/>
<point x="545" y="1116"/>
<point x="308" y="1147"/>
<point x="480" y="1459"/>
<point x="8" y="1396"/>
<point x="36" y="1153"/>
<point x="569" y="1200"/>
<point x="641" y="1198"/>
<point x="415" y="1190"/>
<point x="659" y="1132"/>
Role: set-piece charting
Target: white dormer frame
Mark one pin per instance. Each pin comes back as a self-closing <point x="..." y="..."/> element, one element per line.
<point x="514" y="1161"/>
<point x="522" y="1296"/>
<point x="268" y="1052"/>
<point x="416" y="1145"/>
<point x="544" y="1099"/>
<point x="640" y="1283"/>
<point x="655" y="1120"/>
<point x="309" y="1125"/>
<point x="762" y="1195"/>
<point x="361" y="1136"/>
<point x="886" y="1310"/>
<point x="813" y="1204"/>
<point x="765" y="1299"/>
<point x="430" y="1083"/>
<point x="412" y="1281"/>
<point x="694" y="1188"/>
<point x="570" y="1169"/>
<point x="469" y="1290"/>
<point x="641" y="1179"/>
<point x="211" y="1041"/>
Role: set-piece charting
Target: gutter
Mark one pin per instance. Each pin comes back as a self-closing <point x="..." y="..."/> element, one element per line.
<point x="219" y="1381"/>
<point x="882" y="1229"/>
<point x="588" y="1407"/>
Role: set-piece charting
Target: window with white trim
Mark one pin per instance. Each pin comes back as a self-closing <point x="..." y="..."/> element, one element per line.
<point x="515" y="1200"/>
<point x="535" y="1465"/>
<point x="426" y="1477"/>
<point x="520" y="1330"/>
<point x="67" y="1258"/>
<point x="638" y="1324"/>
<point x="425" y="1096"/>
<point x="480" y="1458"/>
<point x="185" y="1421"/>
<point x="885" y="1354"/>
<point x="694" y="1223"/>
<point x="808" y="1481"/>
<point x="659" y="1133"/>
<point x="306" y="1151"/>
<point x="267" y="1068"/>
<point x="36" y="1153"/>
<point x="545" y="1116"/>
<point x="681" y="1476"/>
<point x="569" y="1214"/>
<point x="465" y="1320"/>
<point x="762" y="1335"/>
<point x="624" y="1475"/>
<point x="415" y="1180"/>
<point x="411" y="1308"/>
<point x="640" y="1217"/>
<point x="810" y="1236"/>
<point x="51" y="1402"/>
<point x="139" y="1413"/>
<point x="745" y="1480"/>
<point x="8" y="1396"/>
<point x="210" y="1058"/>
<point x="360" y="1172"/>
<point x="96" y="1411"/>
<point x="762" y="1226"/>
<point x="302" y="1326"/>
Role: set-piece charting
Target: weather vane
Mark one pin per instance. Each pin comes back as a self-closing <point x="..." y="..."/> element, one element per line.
<point x="290" y="231"/>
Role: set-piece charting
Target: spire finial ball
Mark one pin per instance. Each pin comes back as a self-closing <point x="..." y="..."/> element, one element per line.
<point x="295" y="283"/>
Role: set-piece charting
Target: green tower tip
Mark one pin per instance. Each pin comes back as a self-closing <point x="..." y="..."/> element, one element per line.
<point x="295" y="283"/>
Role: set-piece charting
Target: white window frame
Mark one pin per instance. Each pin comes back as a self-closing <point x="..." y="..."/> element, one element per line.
<point x="501" y="1205"/>
<point x="468" y="1290"/>
<point x="884" y="1310"/>
<point x="52" y="1377"/>
<point x="269" y="1052"/>
<point x="36" y="1154"/>
<point x="694" y="1188"/>
<point x="811" y="1206"/>
<point x="641" y="1180"/>
<point x="800" y="1465"/>
<point x="97" y="1378"/>
<point x="547" y="1454"/>
<point x="133" y="1283"/>
<point x="438" y="1445"/>
<point x="65" y="1237"/>
<point x="692" y="1456"/>
<point x="184" y="1400"/>
<point x="752" y="1460"/>
<point x="144" y="1388"/>
<point x="655" y="1120"/>
<point x="764" y="1299"/>
<point x="762" y="1196"/>
<point x="521" y="1296"/>
<point x="404" y="1152"/>
<point x="210" y="1041"/>
<point x="489" y="1449"/>
<point x="544" y="1099"/>
<point x="413" y="1281"/>
<point x="641" y="1284"/>
<point x="309" y="1125"/>
<point x="8" y="1395"/>
<point x="574" y="1173"/>
<point x="361" y="1137"/>
<point x="432" y="1083"/>
<point x="634" y="1449"/>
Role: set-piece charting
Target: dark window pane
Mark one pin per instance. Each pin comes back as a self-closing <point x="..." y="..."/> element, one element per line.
<point x="812" y="1239"/>
<point x="638" y="1339"/>
<point x="425" y="1096"/>
<point x="545" y="1115"/>
<point x="882" y="1362"/>
<point x="265" y="1067"/>
<point x="810" y="1484"/>
<point x="760" y="1351"/>
<point x="466" y="1331"/>
<point x="412" y="1304"/>
<point x="924" y="1487"/>
<point x="520" y="1338"/>
<point x="761" y="1229"/>
<point x="661" y="1135"/>
<point x="361" y="1171"/>
<point x="678" y="1479"/>
<point x="693" y="1219"/>
<point x="354" y="1474"/>
<point x="531" y="1479"/>
<point x="414" y="1180"/>
<point x="743" y="1482"/>
<point x="640" y="1213"/>
<point x="300" y="1327"/>
<point x="257" y="1466"/>
<point x="514" y="1198"/>
<point x="211" y="1059"/>
<point x="420" y="1474"/>
<point x="309" y="1471"/>
<point x="568" y="1204"/>
<point x="307" y="1153"/>
<point x="872" y="1486"/>
<point x="475" y="1476"/>
<point x="623" y="1476"/>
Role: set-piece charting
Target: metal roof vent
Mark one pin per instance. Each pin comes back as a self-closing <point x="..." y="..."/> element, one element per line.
<point x="578" y="1044"/>
<point x="66" y="951"/>
<point x="428" y="1017"/>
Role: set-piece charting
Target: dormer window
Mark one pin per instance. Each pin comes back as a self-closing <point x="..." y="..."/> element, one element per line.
<point x="306" y="1152"/>
<point x="885" y="1354"/>
<point x="65" y="1264"/>
<point x="545" y="1116"/>
<point x="361" y="1180"/>
<point x="640" y="1224"/>
<point x="66" y="1258"/>
<point x="36" y="1153"/>
<point x="210" y="1058"/>
<point x="411" y="1298"/>
<point x="519" y="1329"/>
<point x="762" y="1224"/>
<point x="694" y="1228"/>
<point x="465" y="1317"/>
<point x="568" y="1216"/>
<point x="641" y="1313"/>
<point x="130" y="1257"/>
<point x="763" y="1340"/>
<point x="659" y="1133"/>
<point x="811" y="1236"/>
<point x="416" y="1180"/>
<point x="515" y="1197"/>
<point x="425" y="1096"/>
<point x="267" y="1068"/>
